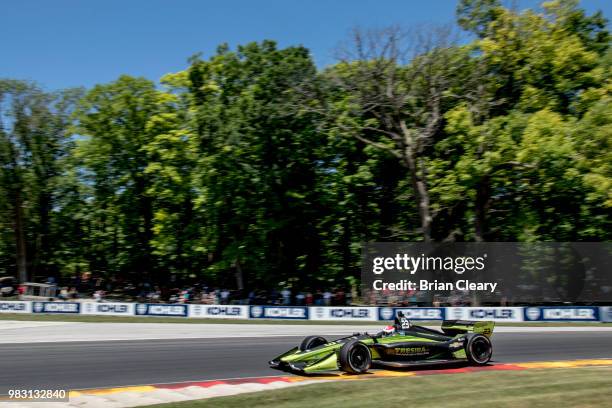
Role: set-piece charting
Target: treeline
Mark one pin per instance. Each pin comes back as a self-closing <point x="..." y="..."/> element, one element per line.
<point x="253" y="167"/>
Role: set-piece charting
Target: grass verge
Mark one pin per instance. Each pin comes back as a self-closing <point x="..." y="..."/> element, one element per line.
<point x="155" y="319"/>
<point x="555" y="388"/>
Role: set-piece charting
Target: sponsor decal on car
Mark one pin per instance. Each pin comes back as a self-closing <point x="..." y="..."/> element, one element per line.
<point x="410" y="351"/>
<point x="279" y="312"/>
<point x="457" y="344"/>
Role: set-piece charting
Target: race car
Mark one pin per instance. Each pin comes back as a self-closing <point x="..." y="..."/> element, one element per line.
<point x="402" y="345"/>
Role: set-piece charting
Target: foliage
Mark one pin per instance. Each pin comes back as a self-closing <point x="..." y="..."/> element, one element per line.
<point x="252" y="168"/>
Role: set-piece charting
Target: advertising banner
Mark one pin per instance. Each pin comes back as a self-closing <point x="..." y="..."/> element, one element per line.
<point x="15" y="307"/>
<point x="219" y="311"/>
<point x="344" y="313"/>
<point x="316" y="313"/>
<point x="108" y="308"/>
<point x="158" y="309"/>
<point x="560" y="313"/>
<point x="412" y="313"/>
<point x="56" y="307"/>
<point x="279" y="312"/>
<point x="497" y="314"/>
<point x="605" y="313"/>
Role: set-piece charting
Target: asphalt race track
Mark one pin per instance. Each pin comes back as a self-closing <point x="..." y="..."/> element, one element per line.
<point x="93" y="364"/>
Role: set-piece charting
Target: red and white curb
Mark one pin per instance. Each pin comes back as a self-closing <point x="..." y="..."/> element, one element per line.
<point x="161" y="393"/>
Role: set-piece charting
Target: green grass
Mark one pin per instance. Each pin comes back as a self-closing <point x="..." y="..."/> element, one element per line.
<point x="555" y="388"/>
<point x="155" y="319"/>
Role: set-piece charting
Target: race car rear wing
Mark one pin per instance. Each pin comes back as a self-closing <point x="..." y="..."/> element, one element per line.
<point x="454" y="327"/>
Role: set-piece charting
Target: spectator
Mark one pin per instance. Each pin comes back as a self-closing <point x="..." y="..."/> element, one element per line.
<point x="349" y="298"/>
<point x="63" y="294"/>
<point x="327" y="296"/>
<point x="252" y="297"/>
<point x="224" y="296"/>
<point x="286" y="294"/>
<point x="73" y="294"/>
<point x="98" y="294"/>
<point x="318" y="298"/>
<point x="339" y="297"/>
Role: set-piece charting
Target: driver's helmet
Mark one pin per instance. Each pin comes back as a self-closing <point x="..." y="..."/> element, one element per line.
<point x="388" y="330"/>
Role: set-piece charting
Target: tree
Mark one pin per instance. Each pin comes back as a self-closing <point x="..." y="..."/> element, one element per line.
<point x="537" y="69"/>
<point x="257" y="172"/>
<point x="34" y="140"/>
<point x="477" y="15"/>
<point x="119" y="124"/>
<point x="383" y="100"/>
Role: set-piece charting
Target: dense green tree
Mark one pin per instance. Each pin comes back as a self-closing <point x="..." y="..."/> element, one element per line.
<point x="251" y="168"/>
<point x="257" y="173"/>
<point x="124" y="128"/>
<point x="515" y="156"/>
<point x="34" y="142"/>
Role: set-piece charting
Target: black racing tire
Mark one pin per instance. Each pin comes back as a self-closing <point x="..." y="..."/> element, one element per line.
<point x="355" y="357"/>
<point x="311" y="342"/>
<point x="478" y="349"/>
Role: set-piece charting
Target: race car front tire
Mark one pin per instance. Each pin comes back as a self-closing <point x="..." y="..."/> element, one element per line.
<point x="355" y="357"/>
<point x="311" y="342"/>
<point x="478" y="349"/>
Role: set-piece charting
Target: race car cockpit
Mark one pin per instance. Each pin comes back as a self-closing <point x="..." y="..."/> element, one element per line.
<point x="400" y="325"/>
<point x="401" y="322"/>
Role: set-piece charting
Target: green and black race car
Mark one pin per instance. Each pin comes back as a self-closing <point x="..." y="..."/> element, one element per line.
<point x="397" y="346"/>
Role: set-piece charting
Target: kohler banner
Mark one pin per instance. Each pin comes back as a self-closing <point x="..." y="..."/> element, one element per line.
<point x="605" y="314"/>
<point x="340" y="313"/>
<point x="493" y="272"/>
<point x="498" y="314"/>
<point x="15" y="307"/>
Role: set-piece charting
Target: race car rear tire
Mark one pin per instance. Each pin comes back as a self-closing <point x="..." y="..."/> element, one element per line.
<point x="311" y="342"/>
<point x="478" y="349"/>
<point x="355" y="357"/>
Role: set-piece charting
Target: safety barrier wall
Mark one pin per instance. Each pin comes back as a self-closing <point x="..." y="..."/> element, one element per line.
<point x="605" y="314"/>
<point x="315" y="313"/>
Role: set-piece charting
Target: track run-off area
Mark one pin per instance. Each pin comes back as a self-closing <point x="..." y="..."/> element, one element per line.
<point x="151" y="356"/>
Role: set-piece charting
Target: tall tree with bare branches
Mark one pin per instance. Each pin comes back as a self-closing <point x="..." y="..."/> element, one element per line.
<point x="390" y="90"/>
